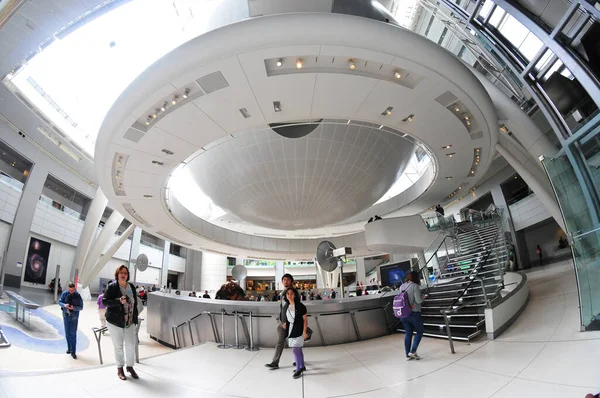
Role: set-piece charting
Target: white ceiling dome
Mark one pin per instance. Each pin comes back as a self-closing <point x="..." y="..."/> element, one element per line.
<point x="323" y="178"/>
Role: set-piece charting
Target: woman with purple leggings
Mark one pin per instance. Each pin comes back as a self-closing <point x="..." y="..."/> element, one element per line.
<point x="297" y="327"/>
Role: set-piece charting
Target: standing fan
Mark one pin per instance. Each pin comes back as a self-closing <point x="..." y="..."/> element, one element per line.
<point x="329" y="258"/>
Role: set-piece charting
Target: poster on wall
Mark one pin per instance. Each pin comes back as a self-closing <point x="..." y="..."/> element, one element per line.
<point x="37" y="261"/>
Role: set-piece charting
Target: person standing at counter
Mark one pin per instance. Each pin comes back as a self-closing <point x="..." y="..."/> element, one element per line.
<point x="122" y="315"/>
<point x="286" y="280"/>
<point x="296" y="326"/>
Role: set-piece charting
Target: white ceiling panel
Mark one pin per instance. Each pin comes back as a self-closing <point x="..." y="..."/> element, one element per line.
<point x="143" y="179"/>
<point x="267" y="7"/>
<point x="139" y="161"/>
<point x="337" y="96"/>
<point x="192" y="125"/>
<point x="294" y="92"/>
<point x="155" y="140"/>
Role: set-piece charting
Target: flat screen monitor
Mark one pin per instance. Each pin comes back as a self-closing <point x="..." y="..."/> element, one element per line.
<point x="394" y="274"/>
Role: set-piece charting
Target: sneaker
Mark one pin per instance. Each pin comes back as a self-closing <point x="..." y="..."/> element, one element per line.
<point x="272" y="366"/>
<point x="414" y="355"/>
<point x="68" y="351"/>
<point x="298" y="373"/>
<point x="74" y="355"/>
<point x="303" y="369"/>
<point x="409" y="357"/>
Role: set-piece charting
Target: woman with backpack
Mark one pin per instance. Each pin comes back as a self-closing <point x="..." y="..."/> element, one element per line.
<point x="413" y="322"/>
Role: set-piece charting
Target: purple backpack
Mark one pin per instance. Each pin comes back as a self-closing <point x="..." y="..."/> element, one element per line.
<point x="401" y="306"/>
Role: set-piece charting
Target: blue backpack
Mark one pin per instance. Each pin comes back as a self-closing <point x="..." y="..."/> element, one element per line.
<point x="401" y="306"/>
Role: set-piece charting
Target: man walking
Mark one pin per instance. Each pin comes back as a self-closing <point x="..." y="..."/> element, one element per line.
<point x="71" y="303"/>
<point x="286" y="281"/>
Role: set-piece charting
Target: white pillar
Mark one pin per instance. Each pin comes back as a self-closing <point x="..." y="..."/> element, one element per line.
<point x="92" y="219"/>
<point x="542" y="194"/>
<point x="134" y="252"/>
<point x="164" y="274"/>
<point x="279" y="272"/>
<point x="213" y="272"/>
<point x="107" y="256"/>
<point x="100" y="243"/>
<point x="361" y="275"/>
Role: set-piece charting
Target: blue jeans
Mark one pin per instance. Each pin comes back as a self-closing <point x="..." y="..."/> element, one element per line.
<point x="71" y="331"/>
<point x="412" y="323"/>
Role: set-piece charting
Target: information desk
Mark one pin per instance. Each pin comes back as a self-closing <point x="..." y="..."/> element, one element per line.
<point x="332" y="321"/>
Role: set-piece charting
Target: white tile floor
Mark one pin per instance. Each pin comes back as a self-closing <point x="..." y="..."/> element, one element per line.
<point x="542" y="354"/>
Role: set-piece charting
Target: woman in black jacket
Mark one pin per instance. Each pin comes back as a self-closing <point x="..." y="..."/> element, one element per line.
<point x="297" y="327"/>
<point x="120" y="300"/>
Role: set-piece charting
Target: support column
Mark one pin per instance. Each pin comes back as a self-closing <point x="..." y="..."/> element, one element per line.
<point x="361" y="275"/>
<point x="95" y="270"/>
<point x="213" y="272"/>
<point x="134" y="252"/>
<point x="164" y="272"/>
<point x="193" y="270"/>
<point x="19" y="234"/>
<point x="92" y="219"/>
<point x="279" y="272"/>
<point x="499" y="200"/>
<point x="542" y="194"/>
<point x="99" y="244"/>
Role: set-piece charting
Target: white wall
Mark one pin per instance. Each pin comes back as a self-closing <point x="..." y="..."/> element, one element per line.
<point x="213" y="272"/>
<point x="176" y="263"/>
<point x="55" y="224"/>
<point x="4" y="236"/>
<point x="9" y="200"/>
<point x="527" y="212"/>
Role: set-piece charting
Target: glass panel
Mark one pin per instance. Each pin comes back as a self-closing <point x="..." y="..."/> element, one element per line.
<point x="513" y="30"/>
<point x="530" y="46"/>
<point x="497" y="16"/>
<point x="486" y="8"/>
<point x="586" y="248"/>
<point x="586" y="237"/>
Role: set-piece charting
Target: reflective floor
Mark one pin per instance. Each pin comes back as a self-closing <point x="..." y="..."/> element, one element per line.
<point x="543" y="354"/>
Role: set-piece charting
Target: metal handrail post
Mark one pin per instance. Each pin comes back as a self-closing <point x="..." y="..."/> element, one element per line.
<point x="251" y="347"/>
<point x="174" y="330"/>
<point x="214" y="327"/>
<point x="223" y="345"/>
<point x="447" y="322"/>
<point x="191" y="336"/>
<point x="237" y="345"/>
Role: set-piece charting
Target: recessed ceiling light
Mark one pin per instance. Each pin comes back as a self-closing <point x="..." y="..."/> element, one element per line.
<point x="472" y="171"/>
<point x="299" y="63"/>
<point x="155" y="114"/>
<point x="448" y="178"/>
<point x="457" y="109"/>
<point x="166" y="151"/>
<point x="348" y="122"/>
<point x="397" y="74"/>
<point x="466" y="117"/>
<point x="245" y="113"/>
<point x="409" y="118"/>
<point x="380" y="127"/>
<point x="164" y="107"/>
<point x="147" y="123"/>
<point x="277" y="106"/>
<point x="147" y="196"/>
<point x="351" y="64"/>
<point x="451" y="154"/>
<point x="186" y="93"/>
<point x="174" y="101"/>
<point x="387" y="111"/>
<point x="279" y="62"/>
<point x="157" y="163"/>
<point x="459" y="187"/>
<point x="447" y="146"/>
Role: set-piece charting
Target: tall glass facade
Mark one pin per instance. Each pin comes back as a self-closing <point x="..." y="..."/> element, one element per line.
<point x="553" y="58"/>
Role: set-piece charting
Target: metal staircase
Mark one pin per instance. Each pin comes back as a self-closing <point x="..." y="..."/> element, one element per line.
<point x="470" y="277"/>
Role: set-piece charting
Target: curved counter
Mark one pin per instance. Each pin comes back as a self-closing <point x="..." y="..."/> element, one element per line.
<point x="332" y="321"/>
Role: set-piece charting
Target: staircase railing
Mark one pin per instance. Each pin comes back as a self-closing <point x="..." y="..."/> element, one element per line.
<point x="422" y="274"/>
<point x="454" y="308"/>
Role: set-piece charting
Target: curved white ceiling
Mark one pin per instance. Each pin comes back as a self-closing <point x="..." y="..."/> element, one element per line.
<point x="320" y="179"/>
<point x="225" y="74"/>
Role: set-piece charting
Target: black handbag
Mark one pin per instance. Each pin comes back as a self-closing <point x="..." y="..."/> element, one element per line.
<point x="309" y="332"/>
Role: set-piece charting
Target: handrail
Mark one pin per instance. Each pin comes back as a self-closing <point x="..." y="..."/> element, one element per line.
<point x="432" y="255"/>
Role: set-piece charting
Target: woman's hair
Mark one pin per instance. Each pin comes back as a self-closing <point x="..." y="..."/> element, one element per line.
<point x="296" y="295"/>
<point x="413" y="277"/>
<point x="230" y="291"/>
<point x="119" y="270"/>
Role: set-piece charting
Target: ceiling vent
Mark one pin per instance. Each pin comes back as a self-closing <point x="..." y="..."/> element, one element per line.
<point x="446" y="99"/>
<point x="213" y="82"/>
<point x="134" y="135"/>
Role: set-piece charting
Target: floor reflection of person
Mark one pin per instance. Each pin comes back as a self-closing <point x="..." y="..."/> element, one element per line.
<point x="71" y="304"/>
